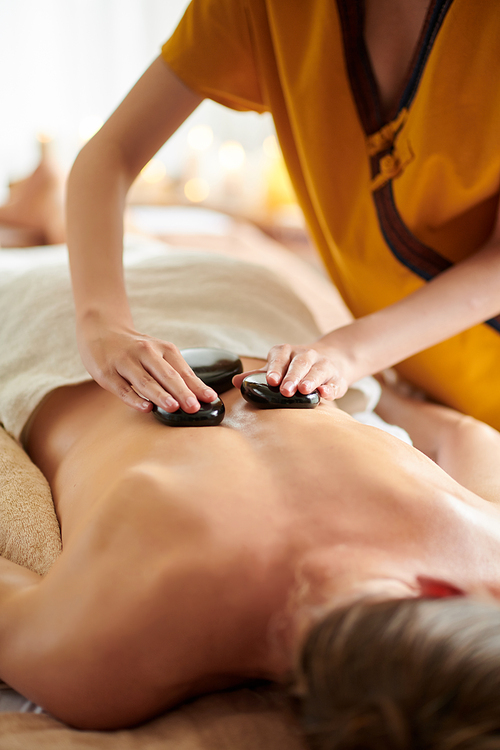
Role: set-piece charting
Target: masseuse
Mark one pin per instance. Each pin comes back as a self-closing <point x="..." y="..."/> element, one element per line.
<point x="388" y="116"/>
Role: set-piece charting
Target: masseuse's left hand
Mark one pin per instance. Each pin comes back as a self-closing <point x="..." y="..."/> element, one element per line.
<point x="461" y="297"/>
<point x="305" y="368"/>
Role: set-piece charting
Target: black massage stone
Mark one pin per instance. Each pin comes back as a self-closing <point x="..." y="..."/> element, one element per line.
<point x="216" y="368"/>
<point x="256" y="390"/>
<point x="208" y="415"/>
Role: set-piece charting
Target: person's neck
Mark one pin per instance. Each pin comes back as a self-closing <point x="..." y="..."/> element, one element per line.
<point x="332" y="577"/>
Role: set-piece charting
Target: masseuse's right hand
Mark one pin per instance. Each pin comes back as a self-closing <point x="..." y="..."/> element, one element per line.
<point x="140" y="370"/>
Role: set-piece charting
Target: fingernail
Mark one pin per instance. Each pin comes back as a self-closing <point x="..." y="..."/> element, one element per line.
<point x="273" y="376"/>
<point x="307" y="385"/>
<point x="210" y="395"/>
<point x="288" y="386"/>
<point x="192" y="401"/>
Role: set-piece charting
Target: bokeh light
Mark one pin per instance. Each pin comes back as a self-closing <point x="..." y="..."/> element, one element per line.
<point x="271" y="148"/>
<point x="231" y="155"/>
<point x="200" y="137"/>
<point x="44" y="138"/>
<point x="196" y="190"/>
<point x="89" y="127"/>
<point x="154" y="171"/>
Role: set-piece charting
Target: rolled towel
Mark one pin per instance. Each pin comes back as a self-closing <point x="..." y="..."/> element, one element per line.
<point x="360" y="401"/>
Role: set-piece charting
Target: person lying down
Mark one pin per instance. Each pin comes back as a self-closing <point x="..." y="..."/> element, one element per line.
<point x="302" y="547"/>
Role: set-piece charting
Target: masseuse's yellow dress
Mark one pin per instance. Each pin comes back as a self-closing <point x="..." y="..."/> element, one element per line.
<point x="390" y="202"/>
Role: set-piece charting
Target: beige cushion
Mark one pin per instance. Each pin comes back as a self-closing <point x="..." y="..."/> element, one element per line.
<point x="29" y="531"/>
<point x="237" y="720"/>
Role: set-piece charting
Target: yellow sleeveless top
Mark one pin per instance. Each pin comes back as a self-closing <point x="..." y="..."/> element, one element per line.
<point x="390" y="202"/>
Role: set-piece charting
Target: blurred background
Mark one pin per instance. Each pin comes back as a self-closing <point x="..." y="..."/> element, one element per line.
<point x="66" y="64"/>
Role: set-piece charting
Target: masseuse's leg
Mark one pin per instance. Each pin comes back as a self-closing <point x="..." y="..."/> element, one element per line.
<point x="468" y="450"/>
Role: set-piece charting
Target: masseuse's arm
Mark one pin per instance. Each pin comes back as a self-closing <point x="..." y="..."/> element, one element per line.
<point x="121" y="359"/>
<point x="459" y="298"/>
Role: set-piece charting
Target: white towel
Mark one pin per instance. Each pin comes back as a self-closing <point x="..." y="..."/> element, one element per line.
<point x="191" y="299"/>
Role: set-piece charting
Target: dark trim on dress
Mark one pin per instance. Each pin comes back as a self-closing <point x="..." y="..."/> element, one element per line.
<point x="359" y="68"/>
<point x="435" y="17"/>
<point x="419" y="258"/>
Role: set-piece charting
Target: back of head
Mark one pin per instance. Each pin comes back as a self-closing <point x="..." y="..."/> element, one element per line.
<point x="404" y="674"/>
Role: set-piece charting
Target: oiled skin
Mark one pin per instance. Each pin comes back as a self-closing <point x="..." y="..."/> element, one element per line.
<point x="184" y="547"/>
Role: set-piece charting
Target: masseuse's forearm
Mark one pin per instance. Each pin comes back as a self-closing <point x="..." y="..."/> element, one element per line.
<point x="459" y="298"/>
<point x="97" y="188"/>
<point x="101" y="176"/>
<point x="136" y="367"/>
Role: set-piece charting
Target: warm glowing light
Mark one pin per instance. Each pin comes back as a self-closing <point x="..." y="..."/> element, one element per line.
<point x="89" y="127"/>
<point x="43" y="138"/>
<point x="270" y="147"/>
<point x="200" y="137"/>
<point x="154" y="171"/>
<point x="279" y="188"/>
<point x="196" y="190"/>
<point x="231" y="155"/>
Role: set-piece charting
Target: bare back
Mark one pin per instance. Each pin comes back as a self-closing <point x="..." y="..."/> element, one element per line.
<point x="317" y="476"/>
<point x="189" y="542"/>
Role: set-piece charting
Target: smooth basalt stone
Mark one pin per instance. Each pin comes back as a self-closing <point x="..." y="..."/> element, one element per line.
<point x="208" y="415"/>
<point x="216" y="367"/>
<point x="256" y="390"/>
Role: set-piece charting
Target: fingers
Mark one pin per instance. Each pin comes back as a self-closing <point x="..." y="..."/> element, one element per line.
<point x="278" y="361"/>
<point x="126" y="393"/>
<point x="329" y="392"/>
<point x="139" y="369"/>
<point x="120" y="387"/>
<point x="146" y="386"/>
<point x="141" y="376"/>
<point x="321" y="373"/>
<point x="304" y="369"/>
<point x="176" y="377"/>
<point x="164" y="377"/>
<point x="301" y="372"/>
